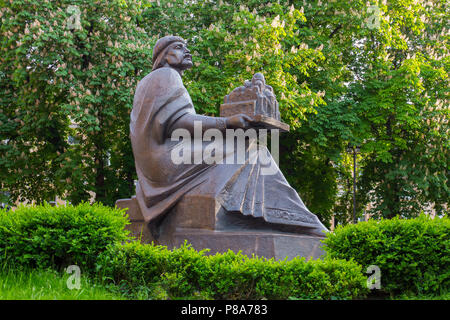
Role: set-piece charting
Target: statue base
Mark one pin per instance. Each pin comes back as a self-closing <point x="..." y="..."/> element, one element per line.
<point x="262" y="244"/>
<point x="203" y="223"/>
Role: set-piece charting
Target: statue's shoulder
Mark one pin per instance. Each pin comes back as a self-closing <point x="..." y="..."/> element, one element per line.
<point x="162" y="77"/>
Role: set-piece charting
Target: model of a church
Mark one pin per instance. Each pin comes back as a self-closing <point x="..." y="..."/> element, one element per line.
<point x="257" y="100"/>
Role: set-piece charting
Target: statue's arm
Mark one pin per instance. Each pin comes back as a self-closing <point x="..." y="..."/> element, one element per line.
<point x="187" y="122"/>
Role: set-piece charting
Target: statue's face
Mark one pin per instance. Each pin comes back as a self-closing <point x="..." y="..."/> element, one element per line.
<point x="178" y="56"/>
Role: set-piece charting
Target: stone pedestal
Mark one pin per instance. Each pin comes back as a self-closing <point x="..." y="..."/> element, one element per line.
<point x="138" y="227"/>
<point x="262" y="244"/>
<point x="202" y="222"/>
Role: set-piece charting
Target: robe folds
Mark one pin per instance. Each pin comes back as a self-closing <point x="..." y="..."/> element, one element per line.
<point x="160" y="100"/>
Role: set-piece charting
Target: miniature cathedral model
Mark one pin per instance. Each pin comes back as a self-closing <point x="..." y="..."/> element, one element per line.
<point x="257" y="100"/>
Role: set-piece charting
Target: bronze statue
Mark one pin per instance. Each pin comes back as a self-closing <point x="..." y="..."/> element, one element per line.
<point x="214" y="192"/>
<point x="162" y="105"/>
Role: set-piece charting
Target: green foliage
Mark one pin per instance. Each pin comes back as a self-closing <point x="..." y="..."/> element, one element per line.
<point x="46" y="236"/>
<point x="62" y="79"/>
<point x="399" y="98"/>
<point x="312" y="174"/>
<point x="443" y="296"/>
<point x="386" y="90"/>
<point x="367" y="72"/>
<point x="184" y="272"/>
<point x="49" y="285"/>
<point x="413" y="255"/>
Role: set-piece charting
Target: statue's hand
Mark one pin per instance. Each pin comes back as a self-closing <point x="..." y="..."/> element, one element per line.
<point x="238" y="121"/>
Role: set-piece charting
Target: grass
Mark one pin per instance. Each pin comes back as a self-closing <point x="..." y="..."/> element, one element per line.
<point x="442" y="296"/>
<point x="53" y="285"/>
<point x="49" y="285"/>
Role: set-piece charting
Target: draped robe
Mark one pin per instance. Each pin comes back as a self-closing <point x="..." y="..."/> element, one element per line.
<point x="160" y="100"/>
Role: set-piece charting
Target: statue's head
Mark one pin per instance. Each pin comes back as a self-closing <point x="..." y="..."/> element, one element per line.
<point x="171" y="51"/>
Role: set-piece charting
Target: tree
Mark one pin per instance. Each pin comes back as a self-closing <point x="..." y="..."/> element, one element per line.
<point x="68" y="71"/>
<point x="385" y="72"/>
<point x="400" y="98"/>
<point x="368" y="73"/>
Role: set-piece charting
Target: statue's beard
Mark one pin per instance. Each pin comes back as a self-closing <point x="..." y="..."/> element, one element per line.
<point x="186" y="63"/>
<point x="183" y="65"/>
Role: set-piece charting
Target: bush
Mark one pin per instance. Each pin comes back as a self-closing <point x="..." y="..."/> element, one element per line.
<point x="184" y="272"/>
<point x="413" y="255"/>
<point x="46" y="236"/>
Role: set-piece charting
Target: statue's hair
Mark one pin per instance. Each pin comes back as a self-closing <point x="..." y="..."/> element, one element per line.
<point x="159" y="50"/>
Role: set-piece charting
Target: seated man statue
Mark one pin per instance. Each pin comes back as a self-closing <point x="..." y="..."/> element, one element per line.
<point x="161" y="106"/>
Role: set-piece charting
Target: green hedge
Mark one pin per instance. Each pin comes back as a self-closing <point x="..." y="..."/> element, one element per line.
<point x="184" y="272"/>
<point x="413" y="255"/>
<point x="93" y="237"/>
<point x="46" y="236"/>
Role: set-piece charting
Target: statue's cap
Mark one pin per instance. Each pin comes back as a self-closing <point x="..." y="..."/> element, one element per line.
<point x="163" y="43"/>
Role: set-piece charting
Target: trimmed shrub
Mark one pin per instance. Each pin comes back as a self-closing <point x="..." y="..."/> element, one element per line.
<point x="413" y="255"/>
<point x="45" y="236"/>
<point x="184" y="272"/>
<point x="236" y="276"/>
